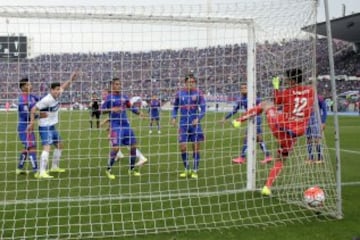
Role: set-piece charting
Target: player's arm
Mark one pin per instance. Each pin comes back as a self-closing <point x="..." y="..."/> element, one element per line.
<point x="175" y="109"/>
<point x="202" y="106"/>
<point x="73" y="77"/>
<point x="33" y="113"/>
<point x="234" y="111"/>
<point x="323" y="113"/>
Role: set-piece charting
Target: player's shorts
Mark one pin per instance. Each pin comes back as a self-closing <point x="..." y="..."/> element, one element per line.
<point x="95" y="114"/>
<point x="49" y="135"/>
<point x="27" y="139"/>
<point x="286" y="137"/>
<point x="122" y="136"/>
<point x="314" y="129"/>
<point x="189" y="133"/>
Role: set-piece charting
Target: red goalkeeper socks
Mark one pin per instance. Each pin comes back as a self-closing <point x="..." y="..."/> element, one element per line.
<point x="274" y="172"/>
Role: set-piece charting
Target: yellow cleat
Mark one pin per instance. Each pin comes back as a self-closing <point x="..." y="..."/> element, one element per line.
<point x="194" y="175"/>
<point x="45" y="175"/>
<point x="134" y="173"/>
<point x="266" y="191"/>
<point x="109" y="175"/>
<point x="21" y="171"/>
<point x="185" y="174"/>
<point x="37" y="175"/>
<point x="57" y="170"/>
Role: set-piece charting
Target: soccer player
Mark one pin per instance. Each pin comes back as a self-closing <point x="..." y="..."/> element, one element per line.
<point x="95" y="110"/>
<point x="121" y="134"/>
<point x="243" y="102"/>
<point x="286" y="125"/>
<point x="25" y="103"/>
<point x="191" y="103"/>
<point x="154" y="111"/>
<point x="314" y="132"/>
<point x="48" y="118"/>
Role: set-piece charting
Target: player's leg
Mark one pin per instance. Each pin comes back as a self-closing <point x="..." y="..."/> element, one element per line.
<point x="32" y="155"/>
<point x="91" y="119"/>
<point x="150" y="127"/>
<point x="24" y="153"/>
<point x="196" y="137"/>
<point x="46" y="141"/>
<point x="286" y="143"/>
<point x="183" y="139"/>
<point x="55" y="166"/>
<point x="129" y="139"/>
<point x="97" y="119"/>
<point x="158" y="124"/>
<point x="320" y="157"/>
<point x="142" y="158"/>
<point x="114" y="137"/>
<point x="262" y="145"/>
<point x="242" y="158"/>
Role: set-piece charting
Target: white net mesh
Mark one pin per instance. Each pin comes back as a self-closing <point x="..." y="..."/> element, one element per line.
<point x="151" y="49"/>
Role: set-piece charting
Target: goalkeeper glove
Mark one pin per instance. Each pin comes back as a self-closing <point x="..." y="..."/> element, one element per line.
<point x="276" y="82"/>
<point x="236" y="124"/>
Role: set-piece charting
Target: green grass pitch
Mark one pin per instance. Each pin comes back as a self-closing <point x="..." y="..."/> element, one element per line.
<point x="131" y="205"/>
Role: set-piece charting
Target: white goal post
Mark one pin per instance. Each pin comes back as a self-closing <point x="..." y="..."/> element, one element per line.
<point x="151" y="49"/>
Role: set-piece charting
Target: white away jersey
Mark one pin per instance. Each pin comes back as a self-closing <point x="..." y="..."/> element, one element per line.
<point x="50" y="106"/>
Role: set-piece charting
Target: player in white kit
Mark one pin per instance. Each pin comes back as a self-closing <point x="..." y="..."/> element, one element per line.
<point x="48" y="107"/>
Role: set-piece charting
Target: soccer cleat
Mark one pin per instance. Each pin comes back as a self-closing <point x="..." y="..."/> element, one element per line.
<point x="266" y="191"/>
<point x="21" y="171"/>
<point x="150" y="132"/>
<point x="194" y="175"/>
<point x="57" y="170"/>
<point x="141" y="162"/>
<point x="134" y="173"/>
<point x="239" y="160"/>
<point x="159" y="132"/>
<point x="319" y="161"/>
<point x="267" y="159"/>
<point x="45" y="175"/>
<point x="185" y="174"/>
<point x="37" y="175"/>
<point x="109" y="175"/>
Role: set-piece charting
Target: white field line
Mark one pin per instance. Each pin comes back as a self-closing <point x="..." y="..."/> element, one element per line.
<point x="133" y="196"/>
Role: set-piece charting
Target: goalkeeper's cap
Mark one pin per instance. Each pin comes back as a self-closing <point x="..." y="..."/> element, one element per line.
<point x="294" y="74"/>
<point x="188" y="76"/>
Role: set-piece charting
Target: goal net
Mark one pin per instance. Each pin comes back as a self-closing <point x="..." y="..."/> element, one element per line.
<point x="151" y="49"/>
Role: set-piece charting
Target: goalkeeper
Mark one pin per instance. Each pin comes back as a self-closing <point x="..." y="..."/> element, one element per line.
<point x="297" y="103"/>
<point x="243" y="102"/>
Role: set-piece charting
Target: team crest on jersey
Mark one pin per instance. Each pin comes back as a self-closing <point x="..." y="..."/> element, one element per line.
<point x="193" y="98"/>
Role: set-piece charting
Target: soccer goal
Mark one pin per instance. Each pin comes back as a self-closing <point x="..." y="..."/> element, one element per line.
<point x="151" y="49"/>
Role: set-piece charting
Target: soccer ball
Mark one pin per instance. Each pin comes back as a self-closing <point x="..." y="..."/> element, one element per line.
<point x="314" y="196"/>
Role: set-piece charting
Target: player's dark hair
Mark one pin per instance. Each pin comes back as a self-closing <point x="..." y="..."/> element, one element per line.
<point x="23" y="82"/>
<point x="114" y="79"/>
<point x="54" y="85"/>
<point x="188" y="76"/>
<point x="294" y="74"/>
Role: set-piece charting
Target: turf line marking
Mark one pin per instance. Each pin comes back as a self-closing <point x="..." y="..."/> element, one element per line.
<point x="130" y="197"/>
<point x="345" y="150"/>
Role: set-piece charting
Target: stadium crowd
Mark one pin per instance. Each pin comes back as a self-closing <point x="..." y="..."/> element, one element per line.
<point x="218" y="70"/>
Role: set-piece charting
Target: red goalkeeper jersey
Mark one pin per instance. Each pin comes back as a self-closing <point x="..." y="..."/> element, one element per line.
<point x="297" y="103"/>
